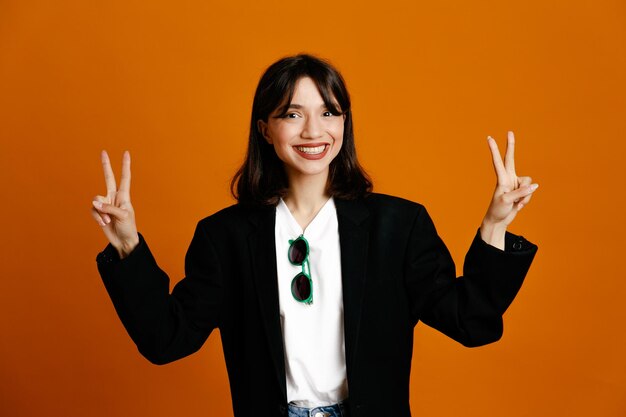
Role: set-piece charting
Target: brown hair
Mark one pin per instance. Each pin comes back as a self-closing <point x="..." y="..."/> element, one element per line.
<point x="261" y="179"/>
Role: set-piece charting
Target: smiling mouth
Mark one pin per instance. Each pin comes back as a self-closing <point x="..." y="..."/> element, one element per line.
<point x="311" y="150"/>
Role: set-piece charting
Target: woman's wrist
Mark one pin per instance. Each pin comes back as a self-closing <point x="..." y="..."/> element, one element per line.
<point x="493" y="233"/>
<point x="127" y="248"/>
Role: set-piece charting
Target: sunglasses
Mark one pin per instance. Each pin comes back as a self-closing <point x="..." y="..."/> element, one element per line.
<point x="301" y="284"/>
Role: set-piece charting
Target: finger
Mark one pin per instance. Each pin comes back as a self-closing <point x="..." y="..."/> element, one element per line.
<point x="104" y="216"/>
<point x="125" y="181"/>
<point x="109" y="178"/>
<point x="97" y="217"/>
<point x="498" y="166"/>
<point x="523" y="181"/>
<point x="517" y="195"/>
<point x="509" y="157"/>
<point x="110" y="209"/>
<point x="524" y="201"/>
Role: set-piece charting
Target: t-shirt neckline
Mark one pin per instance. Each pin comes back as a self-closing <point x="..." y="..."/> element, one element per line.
<point x="293" y="223"/>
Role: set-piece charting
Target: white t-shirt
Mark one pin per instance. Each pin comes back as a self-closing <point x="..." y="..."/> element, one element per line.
<point x="313" y="334"/>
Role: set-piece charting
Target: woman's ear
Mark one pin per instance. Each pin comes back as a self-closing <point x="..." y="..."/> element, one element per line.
<point x="262" y="126"/>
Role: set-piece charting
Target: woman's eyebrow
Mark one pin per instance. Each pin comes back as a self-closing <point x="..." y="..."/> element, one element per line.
<point x="299" y="106"/>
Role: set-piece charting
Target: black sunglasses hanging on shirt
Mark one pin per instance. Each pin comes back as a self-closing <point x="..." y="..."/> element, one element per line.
<point x="301" y="284"/>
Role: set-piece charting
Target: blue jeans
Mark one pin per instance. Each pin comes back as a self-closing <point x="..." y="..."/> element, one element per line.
<point x="335" y="410"/>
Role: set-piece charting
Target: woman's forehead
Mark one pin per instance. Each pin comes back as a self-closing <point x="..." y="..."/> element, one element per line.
<point x="306" y="92"/>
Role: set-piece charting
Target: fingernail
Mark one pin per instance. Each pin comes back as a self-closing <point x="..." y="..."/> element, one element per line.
<point x="519" y="207"/>
<point x="533" y="187"/>
<point x="97" y="204"/>
<point x="107" y="220"/>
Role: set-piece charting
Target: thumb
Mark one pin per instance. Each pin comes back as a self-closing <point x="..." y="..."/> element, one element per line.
<point x="116" y="212"/>
<point x="516" y="195"/>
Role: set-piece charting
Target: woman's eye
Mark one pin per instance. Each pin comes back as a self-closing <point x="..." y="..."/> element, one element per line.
<point x="327" y="114"/>
<point x="291" y="115"/>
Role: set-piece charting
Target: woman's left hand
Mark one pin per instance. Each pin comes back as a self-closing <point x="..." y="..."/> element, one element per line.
<point x="511" y="194"/>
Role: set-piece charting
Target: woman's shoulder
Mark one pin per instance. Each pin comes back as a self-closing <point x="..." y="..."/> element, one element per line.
<point x="382" y="206"/>
<point x="236" y="216"/>
<point x="386" y="202"/>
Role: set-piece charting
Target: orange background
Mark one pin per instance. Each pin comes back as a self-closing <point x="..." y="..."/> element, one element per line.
<point x="173" y="82"/>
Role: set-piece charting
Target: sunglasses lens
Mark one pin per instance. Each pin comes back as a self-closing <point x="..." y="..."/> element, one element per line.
<point x="298" y="251"/>
<point x="301" y="287"/>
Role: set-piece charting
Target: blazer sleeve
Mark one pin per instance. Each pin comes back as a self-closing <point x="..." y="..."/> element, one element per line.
<point x="468" y="309"/>
<point x="164" y="326"/>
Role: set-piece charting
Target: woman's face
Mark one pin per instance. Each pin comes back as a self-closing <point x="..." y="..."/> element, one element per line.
<point x="309" y="136"/>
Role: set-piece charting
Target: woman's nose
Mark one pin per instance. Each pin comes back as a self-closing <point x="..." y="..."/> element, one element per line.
<point x="312" y="128"/>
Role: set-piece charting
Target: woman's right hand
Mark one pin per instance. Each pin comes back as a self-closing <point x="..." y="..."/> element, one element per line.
<point x="114" y="212"/>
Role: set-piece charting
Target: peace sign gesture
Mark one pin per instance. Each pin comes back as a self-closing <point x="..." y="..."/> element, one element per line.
<point x="114" y="212"/>
<point x="511" y="193"/>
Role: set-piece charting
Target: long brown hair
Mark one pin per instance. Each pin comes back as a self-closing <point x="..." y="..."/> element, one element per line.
<point x="262" y="179"/>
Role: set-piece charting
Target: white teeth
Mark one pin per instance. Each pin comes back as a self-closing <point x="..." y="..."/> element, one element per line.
<point x="311" y="150"/>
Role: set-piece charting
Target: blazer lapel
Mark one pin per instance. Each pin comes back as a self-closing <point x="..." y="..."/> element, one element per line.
<point x="352" y="217"/>
<point x="263" y="254"/>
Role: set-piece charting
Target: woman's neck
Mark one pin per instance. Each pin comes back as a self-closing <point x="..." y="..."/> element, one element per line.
<point x="306" y="196"/>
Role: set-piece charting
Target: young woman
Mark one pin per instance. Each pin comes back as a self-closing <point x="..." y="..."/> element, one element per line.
<point x="314" y="281"/>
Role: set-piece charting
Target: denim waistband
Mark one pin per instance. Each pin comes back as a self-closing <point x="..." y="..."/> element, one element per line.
<point x="334" y="410"/>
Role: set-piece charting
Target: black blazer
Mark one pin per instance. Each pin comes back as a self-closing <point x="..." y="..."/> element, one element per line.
<point x="395" y="271"/>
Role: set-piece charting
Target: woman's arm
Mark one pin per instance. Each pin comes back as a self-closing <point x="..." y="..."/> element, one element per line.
<point x="468" y="309"/>
<point x="164" y="327"/>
